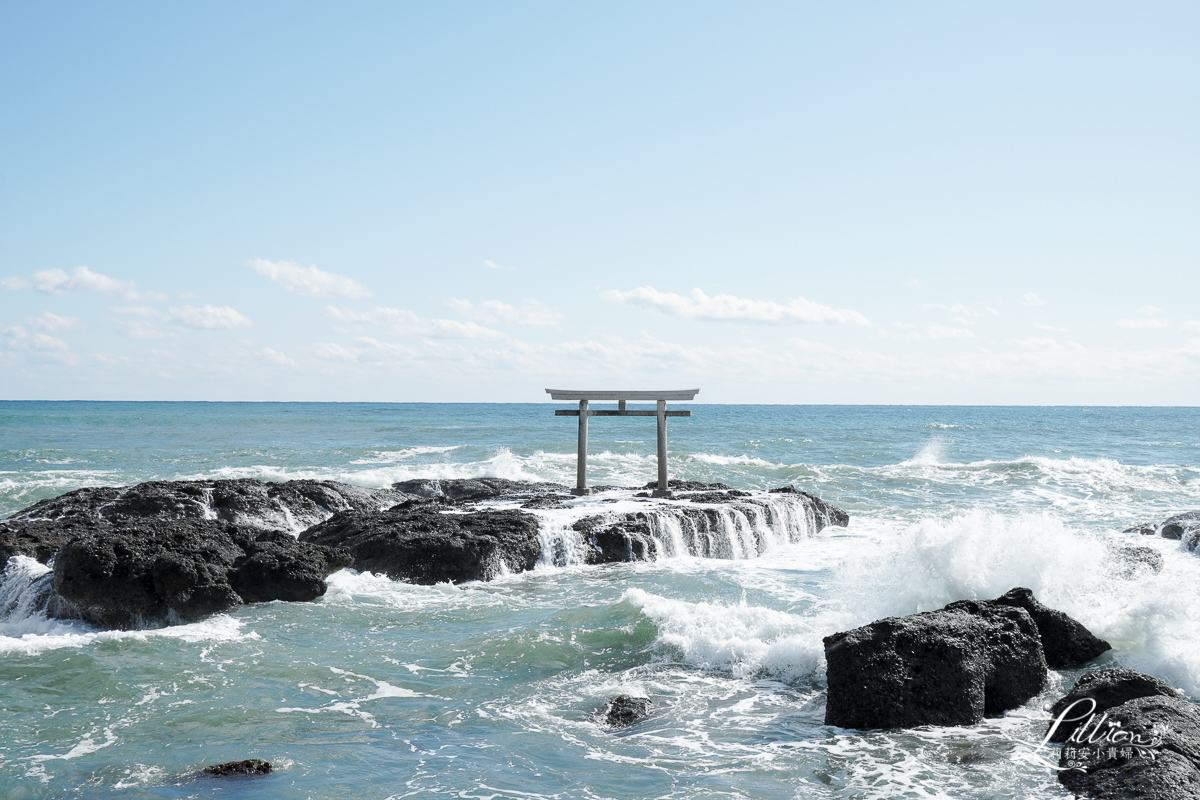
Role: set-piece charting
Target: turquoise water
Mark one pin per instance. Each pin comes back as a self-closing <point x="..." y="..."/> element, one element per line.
<point x="384" y="690"/>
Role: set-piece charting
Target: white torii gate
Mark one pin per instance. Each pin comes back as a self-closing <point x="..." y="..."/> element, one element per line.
<point x="584" y="412"/>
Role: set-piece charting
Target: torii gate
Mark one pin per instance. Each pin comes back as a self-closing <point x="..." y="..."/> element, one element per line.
<point x="583" y="413"/>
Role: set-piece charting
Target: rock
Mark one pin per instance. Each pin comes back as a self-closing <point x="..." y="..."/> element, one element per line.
<point x="38" y="539"/>
<point x="829" y="513"/>
<point x="1109" y="688"/>
<point x="147" y="572"/>
<point x="1065" y="642"/>
<point x="474" y="489"/>
<point x="1128" y="561"/>
<point x="418" y="541"/>
<point x="290" y="507"/>
<point x="546" y="501"/>
<point x="713" y="497"/>
<point x="625" y="710"/>
<point x="703" y="529"/>
<point x="251" y="766"/>
<point x="946" y="667"/>
<point x="1166" y="767"/>
<point x="688" y="486"/>
<point x="1184" y="526"/>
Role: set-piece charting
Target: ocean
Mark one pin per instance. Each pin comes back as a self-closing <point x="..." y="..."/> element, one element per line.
<point x="489" y="690"/>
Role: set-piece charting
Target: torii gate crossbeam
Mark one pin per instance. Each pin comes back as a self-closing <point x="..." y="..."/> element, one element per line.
<point x="661" y="397"/>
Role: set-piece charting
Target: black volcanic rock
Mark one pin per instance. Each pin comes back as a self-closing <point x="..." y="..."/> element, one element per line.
<point x="1066" y="642"/>
<point x="419" y="541"/>
<point x="145" y="572"/>
<point x="945" y="667"/>
<point x="474" y="489"/>
<point x="290" y="506"/>
<point x="1109" y="688"/>
<point x="38" y="539"/>
<point x="1185" y="526"/>
<point x="702" y="526"/>
<point x="251" y="766"/>
<point x="625" y="710"/>
<point x="1168" y="769"/>
<point x="688" y="486"/>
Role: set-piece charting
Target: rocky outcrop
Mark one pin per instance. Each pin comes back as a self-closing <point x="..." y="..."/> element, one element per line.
<point x="946" y="667"/>
<point x="424" y="542"/>
<point x="1129" y="561"/>
<point x="1147" y="748"/>
<point x="952" y="666"/>
<point x="475" y="489"/>
<point x="1065" y="642"/>
<point x="1184" y="527"/>
<point x="625" y="710"/>
<point x="727" y="524"/>
<point x="146" y="572"/>
<point x="251" y="766"/>
<point x="38" y="539"/>
<point x="291" y="506"/>
<point x="1107" y="688"/>
<point x="688" y="486"/>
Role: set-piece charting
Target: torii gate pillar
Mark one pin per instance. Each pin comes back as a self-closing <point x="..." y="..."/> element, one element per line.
<point x="584" y="397"/>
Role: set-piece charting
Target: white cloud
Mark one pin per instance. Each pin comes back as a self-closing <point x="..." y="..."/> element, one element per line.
<point x="1152" y="318"/>
<point x="80" y="280"/>
<point x="1031" y="299"/>
<point x="932" y="332"/>
<point x="139" y="311"/>
<point x="210" y="317"/>
<point x="1044" y="327"/>
<point x="531" y="313"/>
<point x="39" y="345"/>
<point x="53" y="322"/>
<point x="308" y="281"/>
<point x="405" y="321"/>
<point x="727" y="307"/>
<point x="961" y="313"/>
<point x="138" y="329"/>
<point x="1192" y="325"/>
<point x="277" y="357"/>
<point x="493" y="265"/>
<point x="331" y="351"/>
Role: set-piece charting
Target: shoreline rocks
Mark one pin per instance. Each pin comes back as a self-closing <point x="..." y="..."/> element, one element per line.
<point x="1184" y="528"/>
<point x="1141" y="740"/>
<point x="416" y="541"/>
<point x="625" y="710"/>
<point x="952" y="666"/>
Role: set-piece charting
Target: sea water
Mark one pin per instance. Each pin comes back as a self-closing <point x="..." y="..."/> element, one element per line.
<point x="382" y="689"/>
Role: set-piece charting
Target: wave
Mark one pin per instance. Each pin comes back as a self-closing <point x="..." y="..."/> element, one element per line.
<point x="392" y="456"/>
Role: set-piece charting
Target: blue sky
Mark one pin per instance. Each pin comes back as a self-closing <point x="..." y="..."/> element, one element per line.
<point x="790" y="203"/>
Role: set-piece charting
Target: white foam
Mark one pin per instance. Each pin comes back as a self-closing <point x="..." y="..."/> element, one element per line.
<point x="725" y="461"/>
<point x="392" y="456"/>
<point x="744" y="640"/>
<point x="352" y="706"/>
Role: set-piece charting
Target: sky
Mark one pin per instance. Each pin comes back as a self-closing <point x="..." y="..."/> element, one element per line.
<point x="877" y="202"/>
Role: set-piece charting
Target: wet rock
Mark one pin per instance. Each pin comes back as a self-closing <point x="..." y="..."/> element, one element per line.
<point x="945" y="667"/>
<point x="831" y="514"/>
<point x="474" y="489"/>
<point x="688" y="486"/>
<point x="251" y="766"/>
<point x="713" y="497"/>
<point x="136" y="573"/>
<point x="1184" y="526"/>
<point x="546" y="501"/>
<point x="419" y="541"/>
<point x="1128" y="561"/>
<point x="1065" y="641"/>
<point x="290" y="506"/>
<point x="703" y="530"/>
<point x="1162" y="764"/>
<point x="625" y="710"/>
<point x="1109" y="688"/>
<point x="38" y="539"/>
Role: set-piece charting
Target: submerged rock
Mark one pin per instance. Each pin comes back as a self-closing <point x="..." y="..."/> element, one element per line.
<point x="1127" y="561"/>
<point x="1147" y="748"/>
<point x="146" y="572"/>
<point x="946" y="667"/>
<point x="688" y="486"/>
<point x="251" y="766"/>
<point x="1066" y="642"/>
<point x="291" y="506"/>
<point x="625" y="710"/>
<point x="1108" y="688"/>
<point x="421" y="542"/>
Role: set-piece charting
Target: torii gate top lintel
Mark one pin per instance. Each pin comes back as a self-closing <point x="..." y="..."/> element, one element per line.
<point x="661" y="397"/>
